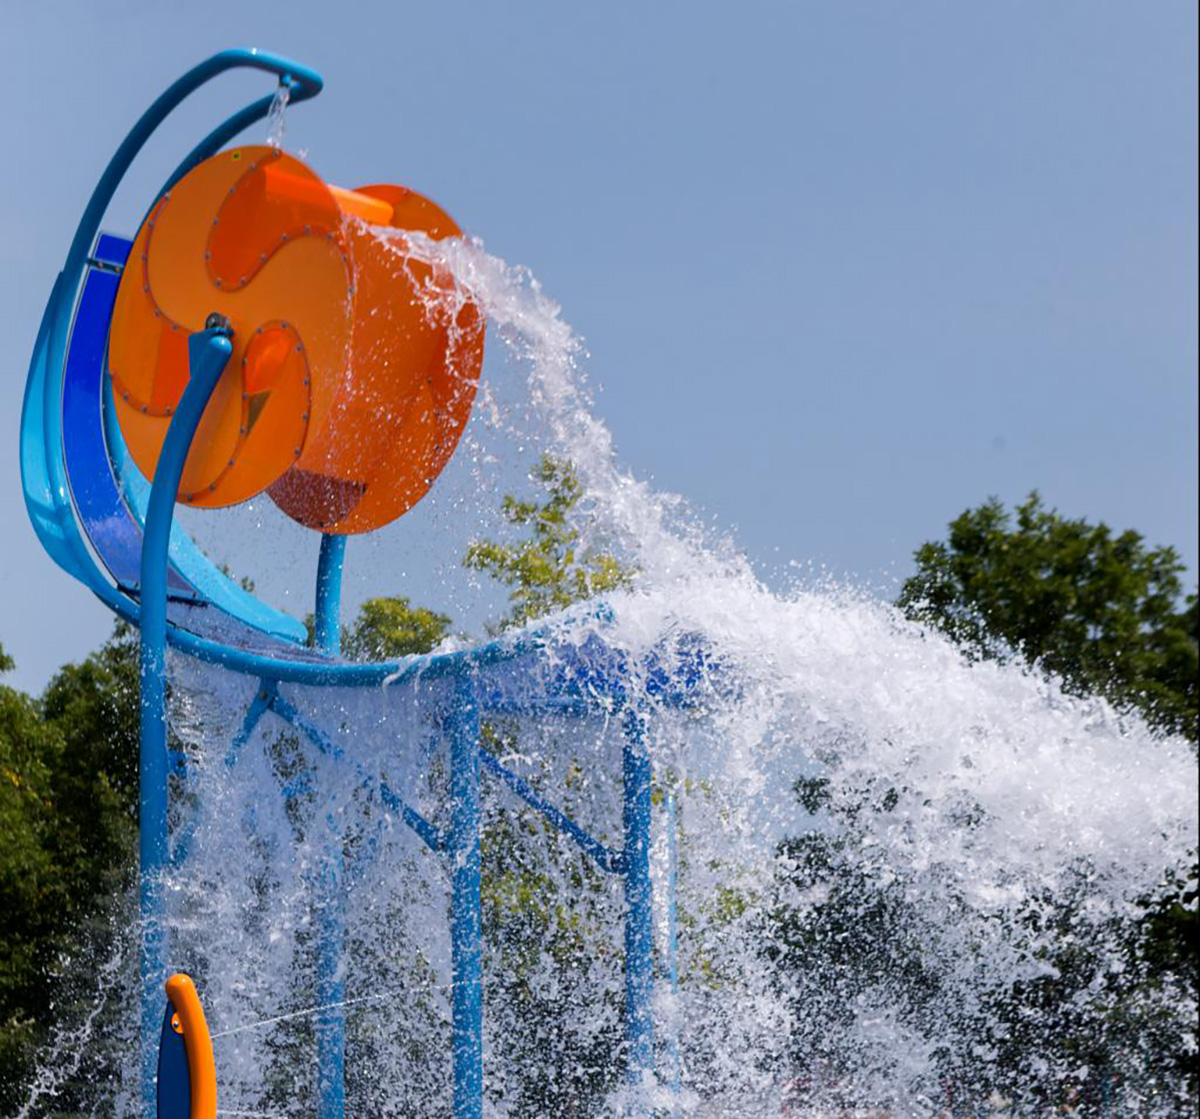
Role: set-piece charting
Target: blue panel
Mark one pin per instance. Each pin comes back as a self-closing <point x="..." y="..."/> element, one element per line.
<point x="111" y="249"/>
<point x="174" y="1087"/>
<point x="209" y="581"/>
<point x="114" y="532"/>
<point x="43" y="475"/>
<point x="106" y="521"/>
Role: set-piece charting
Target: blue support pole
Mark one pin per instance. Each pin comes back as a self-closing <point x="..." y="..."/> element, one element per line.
<point x="639" y="917"/>
<point x="208" y="353"/>
<point x="673" y="944"/>
<point x="328" y="618"/>
<point x="331" y="985"/>
<point x="466" y="909"/>
<point x="331" y="934"/>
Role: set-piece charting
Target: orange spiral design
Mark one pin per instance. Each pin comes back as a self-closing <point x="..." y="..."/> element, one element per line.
<point x="348" y="387"/>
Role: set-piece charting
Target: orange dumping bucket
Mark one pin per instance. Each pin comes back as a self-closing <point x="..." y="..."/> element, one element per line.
<point x="354" y="366"/>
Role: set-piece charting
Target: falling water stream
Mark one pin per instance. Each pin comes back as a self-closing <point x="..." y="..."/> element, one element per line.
<point x="907" y="884"/>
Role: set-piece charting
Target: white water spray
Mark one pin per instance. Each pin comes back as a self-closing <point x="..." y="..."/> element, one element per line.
<point x="907" y="884"/>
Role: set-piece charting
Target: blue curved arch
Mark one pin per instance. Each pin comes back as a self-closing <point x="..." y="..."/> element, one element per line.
<point x="70" y="345"/>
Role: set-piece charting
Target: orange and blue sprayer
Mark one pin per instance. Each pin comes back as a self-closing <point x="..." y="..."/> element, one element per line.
<point x="265" y="332"/>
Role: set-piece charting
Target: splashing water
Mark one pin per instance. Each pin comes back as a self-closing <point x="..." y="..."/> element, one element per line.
<point x="907" y="885"/>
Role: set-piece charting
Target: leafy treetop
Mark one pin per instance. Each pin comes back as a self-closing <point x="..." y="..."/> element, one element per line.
<point x="392" y="627"/>
<point x="547" y="571"/>
<point x="1102" y="610"/>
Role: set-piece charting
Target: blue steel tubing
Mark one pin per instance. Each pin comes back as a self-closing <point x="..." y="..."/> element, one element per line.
<point x="259" y="706"/>
<point x="433" y="836"/>
<point x="673" y="942"/>
<point x="331" y="982"/>
<point x="208" y="353"/>
<point x="466" y="931"/>
<point x="639" y="915"/>
<point x="328" y="618"/>
<point x="269" y="698"/>
<point x="331" y="937"/>
<point x="49" y="501"/>
<point x="604" y="857"/>
<point x="305" y="83"/>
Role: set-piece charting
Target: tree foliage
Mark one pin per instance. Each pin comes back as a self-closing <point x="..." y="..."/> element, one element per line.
<point x="548" y="570"/>
<point x="530" y="930"/>
<point x="68" y="825"/>
<point x="1107" y="613"/>
<point x="391" y="627"/>
<point x="1100" y="609"/>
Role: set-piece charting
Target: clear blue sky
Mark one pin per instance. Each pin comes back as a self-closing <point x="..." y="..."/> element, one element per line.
<point x="844" y="267"/>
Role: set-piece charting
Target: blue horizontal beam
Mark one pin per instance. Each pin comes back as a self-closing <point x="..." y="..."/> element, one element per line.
<point x="269" y="698"/>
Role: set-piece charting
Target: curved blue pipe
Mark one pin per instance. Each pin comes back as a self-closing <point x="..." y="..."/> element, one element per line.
<point x="47" y="495"/>
<point x="208" y="353"/>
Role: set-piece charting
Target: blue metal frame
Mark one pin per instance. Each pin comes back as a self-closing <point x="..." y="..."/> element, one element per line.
<point x="466" y="906"/>
<point x="496" y="677"/>
<point x="208" y="353"/>
<point x="331" y="937"/>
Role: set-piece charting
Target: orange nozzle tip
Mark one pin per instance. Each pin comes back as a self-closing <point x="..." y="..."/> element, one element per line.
<point x="179" y="984"/>
<point x="202" y="1074"/>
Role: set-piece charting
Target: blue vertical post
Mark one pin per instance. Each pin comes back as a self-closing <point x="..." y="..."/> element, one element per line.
<point x="208" y="353"/>
<point x="328" y="618"/>
<point x="466" y="919"/>
<point x="639" y="917"/>
<point x="673" y="942"/>
<point x="331" y="931"/>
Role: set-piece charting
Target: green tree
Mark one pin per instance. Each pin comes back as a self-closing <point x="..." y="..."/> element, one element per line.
<point x="530" y="928"/>
<point x="68" y="819"/>
<point x="30" y="887"/>
<point x="1101" y="609"/>
<point x="547" y="570"/>
<point x="387" y="628"/>
<point x="1107" y="614"/>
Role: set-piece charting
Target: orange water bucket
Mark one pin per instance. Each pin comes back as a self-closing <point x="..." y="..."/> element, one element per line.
<point x="354" y="363"/>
